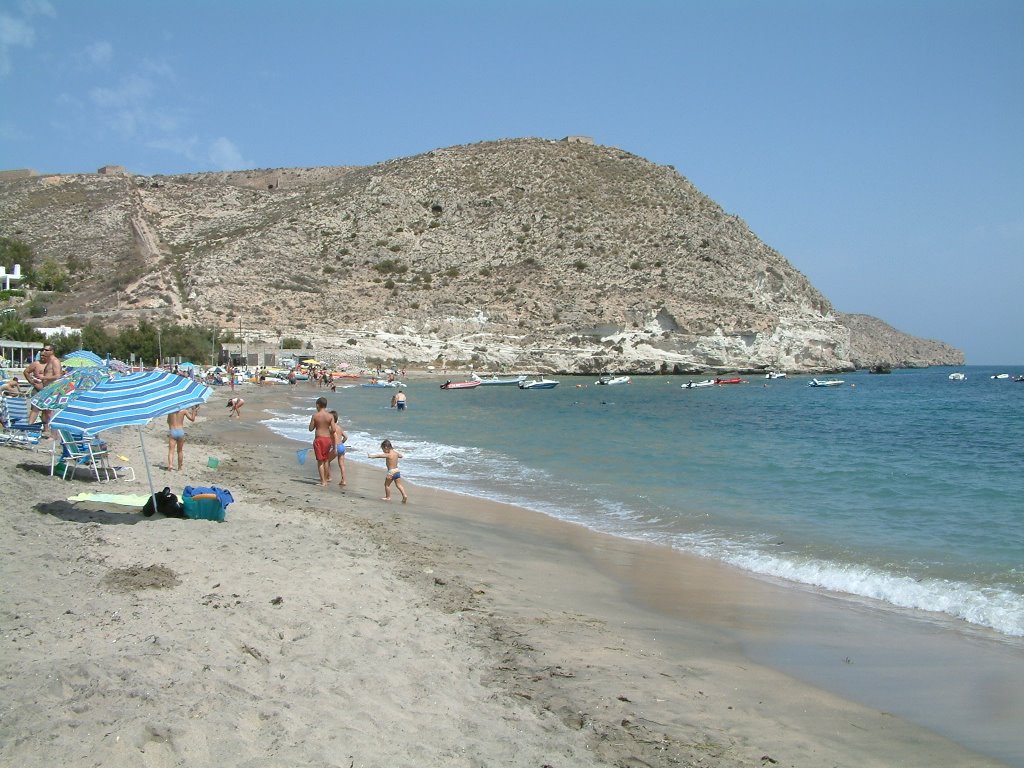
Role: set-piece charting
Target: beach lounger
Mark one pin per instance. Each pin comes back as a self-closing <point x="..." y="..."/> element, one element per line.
<point x="16" y="429"/>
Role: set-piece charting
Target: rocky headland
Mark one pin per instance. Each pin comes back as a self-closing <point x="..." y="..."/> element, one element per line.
<point x="524" y="254"/>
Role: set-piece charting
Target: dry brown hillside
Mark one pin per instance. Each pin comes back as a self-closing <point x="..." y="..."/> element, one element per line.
<point x="523" y="253"/>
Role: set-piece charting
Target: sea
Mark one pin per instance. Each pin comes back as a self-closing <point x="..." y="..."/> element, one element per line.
<point x="906" y="489"/>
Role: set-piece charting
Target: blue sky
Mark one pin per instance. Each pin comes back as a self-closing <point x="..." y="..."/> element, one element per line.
<point x="879" y="146"/>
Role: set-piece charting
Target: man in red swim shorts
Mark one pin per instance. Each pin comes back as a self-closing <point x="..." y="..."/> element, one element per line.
<point x="321" y="424"/>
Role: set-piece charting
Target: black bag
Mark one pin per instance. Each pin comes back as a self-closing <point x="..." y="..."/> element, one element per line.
<point x="166" y="504"/>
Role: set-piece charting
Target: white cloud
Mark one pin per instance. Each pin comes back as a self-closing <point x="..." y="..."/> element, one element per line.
<point x="17" y="32"/>
<point x="225" y="156"/>
<point x="13" y="33"/>
<point x="100" y="53"/>
<point x="40" y="7"/>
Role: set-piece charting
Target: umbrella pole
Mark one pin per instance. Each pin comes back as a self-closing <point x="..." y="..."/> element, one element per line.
<point x="145" y="463"/>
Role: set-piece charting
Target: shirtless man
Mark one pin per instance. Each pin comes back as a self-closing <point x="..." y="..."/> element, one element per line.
<point x="39" y="373"/>
<point x="176" y="435"/>
<point x="321" y="424"/>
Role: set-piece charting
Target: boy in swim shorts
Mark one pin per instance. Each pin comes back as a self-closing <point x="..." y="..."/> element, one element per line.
<point x="391" y="457"/>
<point x="176" y="435"/>
<point x="321" y="424"/>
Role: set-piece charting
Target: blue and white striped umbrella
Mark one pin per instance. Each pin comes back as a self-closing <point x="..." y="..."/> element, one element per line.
<point x="129" y="400"/>
<point x="83" y="358"/>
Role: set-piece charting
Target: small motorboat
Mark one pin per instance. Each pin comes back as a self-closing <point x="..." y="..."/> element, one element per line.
<point x="732" y="380"/>
<point x="825" y="382"/>
<point x="958" y="376"/>
<point x="775" y="375"/>
<point x="1000" y="376"/>
<point x="695" y="384"/>
<point x="460" y="385"/>
<point x="540" y="383"/>
<point x="612" y="380"/>
<point x="381" y="384"/>
<point x="493" y="380"/>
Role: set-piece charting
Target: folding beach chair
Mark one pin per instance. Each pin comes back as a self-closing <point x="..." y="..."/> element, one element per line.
<point x="74" y="451"/>
<point x="17" y="430"/>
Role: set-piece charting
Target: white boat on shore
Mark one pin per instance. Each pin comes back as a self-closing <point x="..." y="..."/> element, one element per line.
<point x="541" y="383"/>
<point x="494" y="381"/>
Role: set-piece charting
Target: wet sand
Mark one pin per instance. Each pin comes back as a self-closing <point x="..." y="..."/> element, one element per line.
<point x="322" y="626"/>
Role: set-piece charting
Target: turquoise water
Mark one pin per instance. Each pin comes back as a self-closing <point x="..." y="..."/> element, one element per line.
<point x="906" y="488"/>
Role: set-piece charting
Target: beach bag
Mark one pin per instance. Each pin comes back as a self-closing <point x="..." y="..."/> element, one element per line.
<point x="166" y="504"/>
<point x="206" y="503"/>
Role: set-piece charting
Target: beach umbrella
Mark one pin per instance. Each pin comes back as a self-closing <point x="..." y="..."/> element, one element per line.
<point x="83" y="358"/>
<point x="131" y="400"/>
<point x="186" y="366"/>
<point x="56" y="395"/>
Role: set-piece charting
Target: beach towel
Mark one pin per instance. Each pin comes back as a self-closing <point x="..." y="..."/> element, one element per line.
<point x="124" y="499"/>
<point x="223" y="496"/>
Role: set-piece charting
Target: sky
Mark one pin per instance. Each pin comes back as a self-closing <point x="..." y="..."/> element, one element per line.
<point x="879" y="146"/>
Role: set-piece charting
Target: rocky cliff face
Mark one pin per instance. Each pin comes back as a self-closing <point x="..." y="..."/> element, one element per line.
<point x="519" y="254"/>
<point x="875" y="343"/>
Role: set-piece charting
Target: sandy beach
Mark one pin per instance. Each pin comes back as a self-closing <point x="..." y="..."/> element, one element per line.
<point x="325" y="627"/>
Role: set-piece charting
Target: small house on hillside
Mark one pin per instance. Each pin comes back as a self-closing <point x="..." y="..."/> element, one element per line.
<point x="112" y="170"/>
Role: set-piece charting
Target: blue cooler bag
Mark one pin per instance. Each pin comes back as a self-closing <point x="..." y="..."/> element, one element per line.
<point x="205" y="503"/>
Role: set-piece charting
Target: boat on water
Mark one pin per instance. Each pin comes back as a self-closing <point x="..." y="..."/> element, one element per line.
<point x="1000" y="376"/>
<point x="696" y="384"/>
<point x="493" y="380"/>
<point x="381" y="384"/>
<point x="460" y="385"/>
<point x="732" y="380"/>
<point x="775" y="375"/>
<point x="613" y="380"/>
<point x="540" y="383"/>
<point x="825" y="382"/>
<point x="958" y="376"/>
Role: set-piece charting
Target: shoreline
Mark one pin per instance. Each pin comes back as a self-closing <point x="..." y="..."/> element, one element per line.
<point x="620" y="650"/>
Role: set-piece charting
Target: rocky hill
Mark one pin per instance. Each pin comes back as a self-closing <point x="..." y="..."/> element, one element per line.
<point x="516" y="254"/>
<point x="875" y="343"/>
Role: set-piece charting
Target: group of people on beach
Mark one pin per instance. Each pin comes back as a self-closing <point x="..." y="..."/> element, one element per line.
<point x="329" y="444"/>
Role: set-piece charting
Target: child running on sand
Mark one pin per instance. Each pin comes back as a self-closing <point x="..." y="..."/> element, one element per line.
<point x="391" y="457"/>
<point x="340" y="437"/>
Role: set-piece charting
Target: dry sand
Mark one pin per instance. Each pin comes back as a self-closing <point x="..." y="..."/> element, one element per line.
<point x="321" y="627"/>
